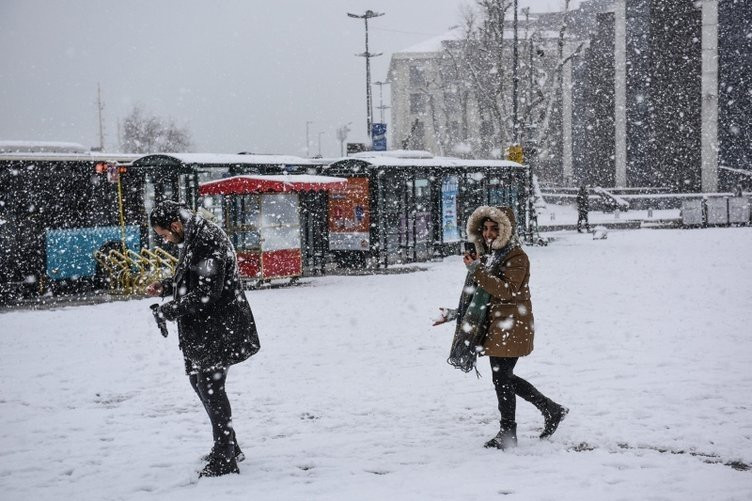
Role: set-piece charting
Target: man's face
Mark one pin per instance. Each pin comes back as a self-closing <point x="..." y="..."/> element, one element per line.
<point x="172" y="235"/>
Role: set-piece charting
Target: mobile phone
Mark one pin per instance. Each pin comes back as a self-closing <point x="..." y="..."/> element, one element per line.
<point x="468" y="248"/>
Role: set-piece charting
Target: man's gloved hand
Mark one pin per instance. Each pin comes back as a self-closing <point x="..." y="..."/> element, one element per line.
<point x="167" y="311"/>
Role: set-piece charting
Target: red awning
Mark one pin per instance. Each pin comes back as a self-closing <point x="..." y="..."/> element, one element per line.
<point x="243" y="185"/>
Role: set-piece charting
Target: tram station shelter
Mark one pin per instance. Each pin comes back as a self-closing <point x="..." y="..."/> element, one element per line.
<point x="196" y="169"/>
<point x="406" y="206"/>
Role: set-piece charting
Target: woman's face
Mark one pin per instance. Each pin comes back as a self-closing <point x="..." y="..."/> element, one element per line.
<point x="490" y="231"/>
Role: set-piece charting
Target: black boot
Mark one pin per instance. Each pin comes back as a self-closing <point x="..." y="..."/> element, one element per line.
<point x="239" y="456"/>
<point x="505" y="439"/>
<point x="553" y="414"/>
<point x="218" y="466"/>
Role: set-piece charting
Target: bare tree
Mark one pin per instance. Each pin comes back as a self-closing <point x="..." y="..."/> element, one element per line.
<point x="554" y="90"/>
<point x="476" y="67"/>
<point x="146" y="133"/>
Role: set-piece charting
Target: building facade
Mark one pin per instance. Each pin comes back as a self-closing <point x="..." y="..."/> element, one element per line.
<point x="673" y="75"/>
<point x="655" y="94"/>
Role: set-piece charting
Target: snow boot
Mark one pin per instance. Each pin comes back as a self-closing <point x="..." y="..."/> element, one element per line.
<point x="553" y="414"/>
<point x="218" y="466"/>
<point x="505" y="439"/>
<point x="239" y="456"/>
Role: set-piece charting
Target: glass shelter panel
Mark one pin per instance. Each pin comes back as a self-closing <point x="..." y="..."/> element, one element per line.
<point x="242" y="224"/>
<point x="280" y="222"/>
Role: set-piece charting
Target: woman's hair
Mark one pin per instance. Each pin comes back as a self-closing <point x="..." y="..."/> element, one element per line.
<point x="168" y="212"/>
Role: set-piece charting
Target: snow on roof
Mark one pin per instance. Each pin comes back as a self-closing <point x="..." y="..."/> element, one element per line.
<point x="87" y="156"/>
<point x="41" y="147"/>
<point x="394" y="154"/>
<point x="417" y="158"/>
<point x="434" y="44"/>
<point x="239" y="159"/>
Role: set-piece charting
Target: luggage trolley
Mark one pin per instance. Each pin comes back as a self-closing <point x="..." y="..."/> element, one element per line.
<point x="260" y="214"/>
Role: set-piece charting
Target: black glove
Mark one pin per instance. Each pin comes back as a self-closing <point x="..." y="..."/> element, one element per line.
<point x="168" y="312"/>
<point x="159" y="318"/>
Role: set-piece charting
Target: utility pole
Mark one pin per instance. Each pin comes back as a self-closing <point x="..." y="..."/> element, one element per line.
<point x="369" y="106"/>
<point x="515" y="80"/>
<point x="100" y="108"/>
<point x="307" y="140"/>
<point x="381" y="106"/>
<point x="320" y="143"/>
<point x="529" y="93"/>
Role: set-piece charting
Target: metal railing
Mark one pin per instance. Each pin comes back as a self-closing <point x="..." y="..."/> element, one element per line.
<point x="129" y="272"/>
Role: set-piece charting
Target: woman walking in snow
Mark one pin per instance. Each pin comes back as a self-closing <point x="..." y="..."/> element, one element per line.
<point x="495" y="318"/>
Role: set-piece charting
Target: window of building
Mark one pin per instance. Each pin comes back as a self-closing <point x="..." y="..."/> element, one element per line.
<point x="417" y="103"/>
<point x="417" y="77"/>
<point x="417" y="136"/>
<point x="453" y="131"/>
<point x="451" y="101"/>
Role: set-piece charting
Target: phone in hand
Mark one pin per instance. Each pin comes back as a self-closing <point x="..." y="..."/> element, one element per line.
<point x="468" y="248"/>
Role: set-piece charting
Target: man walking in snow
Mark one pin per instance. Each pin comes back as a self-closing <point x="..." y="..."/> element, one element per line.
<point x="215" y="323"/>
<point x="583" y="207"/>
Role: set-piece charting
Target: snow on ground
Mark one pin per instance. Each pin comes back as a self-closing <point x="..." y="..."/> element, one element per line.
<point x="645" y="336"/>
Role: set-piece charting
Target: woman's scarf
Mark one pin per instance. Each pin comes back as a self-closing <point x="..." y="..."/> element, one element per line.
<point x="472" y="327"/>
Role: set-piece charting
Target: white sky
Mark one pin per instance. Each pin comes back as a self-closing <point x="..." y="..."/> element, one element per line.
<point x="241" y="75"/>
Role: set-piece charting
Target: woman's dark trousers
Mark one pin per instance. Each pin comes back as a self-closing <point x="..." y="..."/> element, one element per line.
<point x="508" y="385"/>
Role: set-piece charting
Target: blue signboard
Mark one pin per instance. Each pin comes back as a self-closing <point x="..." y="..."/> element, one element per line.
<point x="450" y="230"/>
<point x="70" y="252"/>
<point x="378" y="135"/>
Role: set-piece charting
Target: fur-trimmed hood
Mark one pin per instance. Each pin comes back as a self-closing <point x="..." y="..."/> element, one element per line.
<point x="503" y="216"/>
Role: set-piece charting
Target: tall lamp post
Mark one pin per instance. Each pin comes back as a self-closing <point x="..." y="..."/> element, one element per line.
<point x="381" y="106"/>
<point x="320" y="133"/>
<point x="515" y="80"/>
<point x="369" y="107"/>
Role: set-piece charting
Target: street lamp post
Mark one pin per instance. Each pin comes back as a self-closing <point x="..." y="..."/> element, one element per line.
<point x="369" y="107"/>
<point x="381" y="106"/>
<point x="515" y="80"/>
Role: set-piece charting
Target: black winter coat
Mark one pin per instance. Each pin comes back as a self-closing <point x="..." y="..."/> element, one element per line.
<point x="215" y="322"/>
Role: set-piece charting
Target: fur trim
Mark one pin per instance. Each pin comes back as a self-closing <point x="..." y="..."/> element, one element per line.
<point x="475" y="234"/>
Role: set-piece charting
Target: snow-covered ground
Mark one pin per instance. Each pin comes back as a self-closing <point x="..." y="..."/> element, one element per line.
<point x="645" y="336"/>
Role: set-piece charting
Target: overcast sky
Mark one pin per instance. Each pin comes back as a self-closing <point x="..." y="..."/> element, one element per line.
<point x="241" y="75"/>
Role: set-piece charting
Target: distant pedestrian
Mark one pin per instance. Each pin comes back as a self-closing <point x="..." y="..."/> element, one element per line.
<point x="495" y="318"/>
<point x="583" y="207"/>
<point x="215" y="322"/>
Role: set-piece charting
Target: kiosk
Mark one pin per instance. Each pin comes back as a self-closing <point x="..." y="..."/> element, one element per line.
<point x="261" y="216"/>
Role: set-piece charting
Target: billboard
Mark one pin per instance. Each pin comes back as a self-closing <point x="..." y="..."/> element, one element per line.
<point x="349" y="216"/>
<point x="450" y="230"/>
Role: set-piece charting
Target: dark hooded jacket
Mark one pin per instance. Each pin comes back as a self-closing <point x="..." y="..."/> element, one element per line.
<point x="215" y="322"/>
<point x="510" y="329"/>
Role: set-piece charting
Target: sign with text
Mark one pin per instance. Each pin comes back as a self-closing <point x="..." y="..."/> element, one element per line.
<point x="449" y="228"/>
<point x="378" y="135"/>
